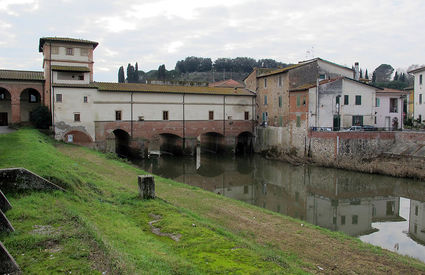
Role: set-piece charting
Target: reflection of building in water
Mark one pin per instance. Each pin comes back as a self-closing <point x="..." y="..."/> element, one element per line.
<point x="417" y="221"/>
<point x="352" y="216"/>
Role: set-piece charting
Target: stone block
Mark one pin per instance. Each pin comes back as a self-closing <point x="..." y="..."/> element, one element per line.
<point x="7" y="263"/>
<point x="21" y="179"/>
<point x="5" y="225"/>
<point x="146" y="186"/>
<point x="4" y="203"/>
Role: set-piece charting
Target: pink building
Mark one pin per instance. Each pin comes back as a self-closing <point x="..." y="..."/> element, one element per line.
<point x="389" y="109"/>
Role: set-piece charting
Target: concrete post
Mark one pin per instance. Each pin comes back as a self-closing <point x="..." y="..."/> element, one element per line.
<point x="5" y="225"/>
<point x="146" y="186"/>
<point x="7" y="263"/>
<point x="4" y="203"/>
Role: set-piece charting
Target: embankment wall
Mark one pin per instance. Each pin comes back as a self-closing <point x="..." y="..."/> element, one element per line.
<point x="360" y="151"/>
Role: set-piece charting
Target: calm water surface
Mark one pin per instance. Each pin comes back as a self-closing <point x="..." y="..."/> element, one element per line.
<point x="384" y="211"/>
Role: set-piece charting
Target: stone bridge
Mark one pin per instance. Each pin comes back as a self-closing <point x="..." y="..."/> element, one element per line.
<point x="176" y="137"/>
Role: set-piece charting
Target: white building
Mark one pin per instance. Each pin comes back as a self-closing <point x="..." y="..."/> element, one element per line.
<point x="341" y="102"/>
<point x="389" y="109"/>
<point x="419" y="93"/>
<point x="88" y="112"/>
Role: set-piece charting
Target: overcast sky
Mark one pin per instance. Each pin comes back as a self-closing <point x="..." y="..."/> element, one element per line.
<point x="163" y="32"/>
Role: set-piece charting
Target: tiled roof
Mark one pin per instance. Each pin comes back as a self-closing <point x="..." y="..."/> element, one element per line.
<point x="67" y="85"/>
<point x="65" y="40"/>
<point x="152" y="88"/>
<point x="228" y="83"/>
<point x="326" y="81"/>
<point x="392" y="91"/>
<point x="21" y="75"/>
<point x="417" y="70"/>
<point x="278" y="71"/>
<point x="70" y="68"/>
<point x="302" y="63"/>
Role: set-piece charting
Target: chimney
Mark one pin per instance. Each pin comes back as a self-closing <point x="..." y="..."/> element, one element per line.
<point x="356" y="71"/>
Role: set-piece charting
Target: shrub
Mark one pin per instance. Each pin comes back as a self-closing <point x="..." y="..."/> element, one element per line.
<point x="41" y="118"/>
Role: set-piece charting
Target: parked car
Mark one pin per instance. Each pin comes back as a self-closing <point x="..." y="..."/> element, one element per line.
<point x="354" y="128"/>
<point x="369" y="128"/>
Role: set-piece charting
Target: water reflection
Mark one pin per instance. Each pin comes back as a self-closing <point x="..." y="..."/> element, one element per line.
<point x="358" y="204"/>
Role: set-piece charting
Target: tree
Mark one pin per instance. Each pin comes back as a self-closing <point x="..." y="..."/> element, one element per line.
<point x="395" y="76"/>
<point x="361" y="73"/>
<point x="41" y="118"/>
<point x="121" y="77"/>
<point x="383" y="73"/>
<point x="366" y="75"/>
<point x="130" y="74"/>
<point x="373" y="77"/>
<point x="205" y="64"/>
<point x="161" y="72"/>
<point x="402" y="77"/>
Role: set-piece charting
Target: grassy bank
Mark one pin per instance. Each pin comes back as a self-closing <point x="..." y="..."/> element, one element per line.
<point x="100" y="224"/>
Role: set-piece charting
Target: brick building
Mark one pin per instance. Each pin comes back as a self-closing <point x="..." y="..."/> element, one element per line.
<point x="272" y="87"/>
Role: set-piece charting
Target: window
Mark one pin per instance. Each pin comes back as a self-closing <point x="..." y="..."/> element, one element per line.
<point x="280" y="121"/>
<point x="346" y="100"/>
<point x="420" y="79"/>
<point x="76" y="116"/>
<point x="164" y="115"/>
<point x="211" y="115"/>
<point x="322" y="76"/>
<point x="280" y="101"/>
<point x="246" y="116"/>
<point x="416" y="210"/>
<point x="265" y="82"/>
<point x="245" y="189"/>
<point x="357" y="120"/>
<point x="420" y="98"/>
<point x="377" y="102"/>
<point x="69" y="51"/>
<point x="298" y="100"/>
<point x="265" y="100"/>
<point x="304" y="101"/>
<point x="81" y="77"/>
<point x="420" y="118"/>
<point x="337" y="100"/>
<point x="393" y="105"/>
<point x="33" y="97"/>
<point x="55" y="50"/>
<point x="375" y="119"/>
<point x="298" y="121"/>
<point x="280" y="81"/>
<point x="415" y="229"/>
<point x="58" y="97"/>
<point x="118" y="115"/>
<point x="334" y="220"/>
<point x="85" y="99"/>
<point x="354" y="219"/>
<point x="84" y="52"/>
<point x="358" y="100"/>
<point x="342" y="220"/>
<point x="2" y="95"/>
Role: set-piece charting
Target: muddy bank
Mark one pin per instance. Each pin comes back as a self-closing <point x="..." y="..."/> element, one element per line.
<point x="396" y="166"/>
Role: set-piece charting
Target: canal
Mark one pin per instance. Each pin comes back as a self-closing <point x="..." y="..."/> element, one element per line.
<point x="384" y="211"/>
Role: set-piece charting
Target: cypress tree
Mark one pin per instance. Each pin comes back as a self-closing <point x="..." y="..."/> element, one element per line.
<point x="121" y="77"/>
<point x="366" y="75"/>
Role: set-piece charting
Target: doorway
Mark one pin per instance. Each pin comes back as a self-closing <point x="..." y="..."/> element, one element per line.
<point x="3" y="119"/>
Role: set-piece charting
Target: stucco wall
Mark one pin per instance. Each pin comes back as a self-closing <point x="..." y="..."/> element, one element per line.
<point x="383" y="114"/>
<point x="419" y="89"/>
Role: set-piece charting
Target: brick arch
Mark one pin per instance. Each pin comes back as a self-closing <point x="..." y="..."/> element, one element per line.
<point x="79" y="137"/>
<point x="5" y="107"/>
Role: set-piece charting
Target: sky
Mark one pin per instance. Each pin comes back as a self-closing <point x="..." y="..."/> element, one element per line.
<point x="371" y="32"/>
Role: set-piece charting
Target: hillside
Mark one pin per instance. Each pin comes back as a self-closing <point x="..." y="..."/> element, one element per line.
<point x="100" y="225"/>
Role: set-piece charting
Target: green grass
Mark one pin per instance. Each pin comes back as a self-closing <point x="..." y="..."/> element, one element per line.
<point x="100" y="224"/>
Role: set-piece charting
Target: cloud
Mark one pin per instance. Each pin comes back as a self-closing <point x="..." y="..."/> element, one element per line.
<point x="162" y="32"/>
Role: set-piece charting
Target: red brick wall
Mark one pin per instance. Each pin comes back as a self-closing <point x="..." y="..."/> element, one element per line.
<point x="15" y="89"/>
<point x="148" y="129"/>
